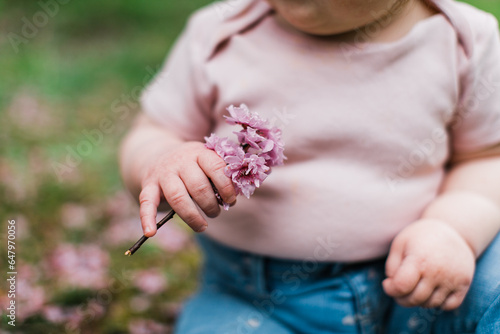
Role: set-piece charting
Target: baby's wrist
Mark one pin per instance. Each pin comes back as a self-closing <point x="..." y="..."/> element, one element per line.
<point x="449" y="232"/>
<point x="473" y="216"/>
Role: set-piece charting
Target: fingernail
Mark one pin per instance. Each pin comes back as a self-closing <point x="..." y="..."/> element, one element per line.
<point x="147" y="230"/>
<point x="201" y="229"/>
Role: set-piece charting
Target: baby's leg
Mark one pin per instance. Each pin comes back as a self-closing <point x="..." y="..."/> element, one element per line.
<point x="222" y="306"/>
<point x="246" y="293"/>
<point x="216" y="312"/>
<point x="479" y="313"/>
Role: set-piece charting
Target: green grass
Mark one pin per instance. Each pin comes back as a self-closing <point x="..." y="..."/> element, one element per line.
<point x="61" y="82"/>
<point x="491" y="6"/>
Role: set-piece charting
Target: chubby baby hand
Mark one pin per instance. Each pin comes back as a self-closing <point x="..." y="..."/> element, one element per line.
<point x="429" y="265"/>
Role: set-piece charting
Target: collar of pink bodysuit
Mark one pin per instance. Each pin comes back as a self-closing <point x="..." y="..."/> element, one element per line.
<point x="246" y="13"/>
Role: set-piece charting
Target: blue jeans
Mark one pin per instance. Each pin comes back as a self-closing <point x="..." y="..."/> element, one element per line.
<point x="242" y="293"/>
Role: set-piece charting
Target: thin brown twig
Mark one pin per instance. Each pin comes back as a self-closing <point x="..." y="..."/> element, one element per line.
<point x="143" y="239"/>
<point x="165" y="219"/>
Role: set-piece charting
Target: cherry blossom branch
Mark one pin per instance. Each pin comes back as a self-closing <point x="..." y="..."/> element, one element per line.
<point x="248" y="162"/>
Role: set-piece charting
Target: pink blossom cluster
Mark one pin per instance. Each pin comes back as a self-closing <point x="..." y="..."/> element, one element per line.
<point x="147" y="326"/>
<point x="258" y="149"/>
<point x="150" y="281"/>
<point x="84" y="266"/>
<point x="73" y="317"/>
<point x="30" y="296"/>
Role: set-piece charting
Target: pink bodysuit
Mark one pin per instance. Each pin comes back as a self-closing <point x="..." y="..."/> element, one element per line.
<point x="368" y="127"/>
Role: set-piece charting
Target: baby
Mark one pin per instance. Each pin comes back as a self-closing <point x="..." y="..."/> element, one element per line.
<point x="384" y="217"/>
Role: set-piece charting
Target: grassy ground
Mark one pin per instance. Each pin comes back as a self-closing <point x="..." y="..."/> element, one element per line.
<point x="60" y="80"/>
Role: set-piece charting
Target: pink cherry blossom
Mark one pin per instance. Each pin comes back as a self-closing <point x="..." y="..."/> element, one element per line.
<point x="253" y="137"/>
<point x="242" y="115"/>
<point x="121" y="206"/>
<point x="140" y="303"/>
<point x="150" y="281"/>
<point x="146" y="326"/>
<point x="171" y="238"/>
<point x="84" y="266"/>
<point x="275" y="156"/>
<point x="247" y="172"/>
<point x="55" y="314"/>
<point x="74" y="216"/>
<point x="30" y="297"/>
<point x="260" y="148"/>
<point x="121" y="231"/>
<point x="73" y="316"/>
<point x="221" y="146"/>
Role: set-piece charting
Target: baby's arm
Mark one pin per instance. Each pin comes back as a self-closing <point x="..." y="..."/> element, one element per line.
<point x="157" y="164"/>
<point x="431" y="262"/>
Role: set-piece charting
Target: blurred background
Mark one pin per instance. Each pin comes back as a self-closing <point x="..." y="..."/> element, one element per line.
<point x="70" y="76"/>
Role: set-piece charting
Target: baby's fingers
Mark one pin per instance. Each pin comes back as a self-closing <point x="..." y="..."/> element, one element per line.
<point x="438" y="297"/>
<point x="448" y="296"/>
<point x="454" y="300"/>
<point x="396" y="256"/>
<point x="178" y="197"/>
<point x="420" y="296"/>
<point x="213" y="166"/>
<point x="149" y="200"/>
<point x="200" y="189"/>
<point x="404" y="280"/>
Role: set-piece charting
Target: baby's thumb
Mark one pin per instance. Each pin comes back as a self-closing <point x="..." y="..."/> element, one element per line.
<point x="404" y="280"/>
<point x="395" y="258"/>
